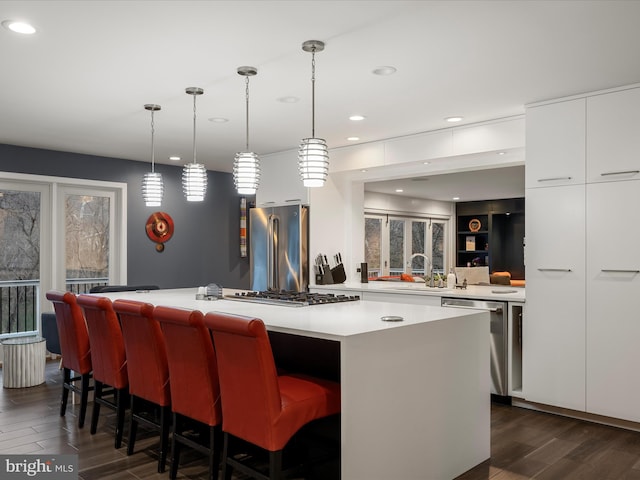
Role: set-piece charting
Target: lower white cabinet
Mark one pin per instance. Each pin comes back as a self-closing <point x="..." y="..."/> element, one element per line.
<point x="613" y="286"/>
<point x="554" y="325"/>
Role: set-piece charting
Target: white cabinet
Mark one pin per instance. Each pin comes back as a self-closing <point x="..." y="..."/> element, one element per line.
<point x="613" y="286"/>
<point x="613" y="136"/>
<point x="280" y="181"/>
<point x="554" y="325"/>
<point x="555" y="139"/>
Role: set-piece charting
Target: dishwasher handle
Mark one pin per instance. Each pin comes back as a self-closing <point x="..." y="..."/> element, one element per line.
<point x="487" y="309"/>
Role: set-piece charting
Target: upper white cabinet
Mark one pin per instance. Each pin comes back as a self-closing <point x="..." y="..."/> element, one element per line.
<point x="555" y="139"/>
<point x="613" y="136"/>
<point x="613" y="285"/>
<point x="554" y="325"/>
<point x="280" y="180"/>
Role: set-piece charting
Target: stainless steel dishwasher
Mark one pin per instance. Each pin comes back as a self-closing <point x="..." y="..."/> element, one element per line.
<point x="499" y="337"/>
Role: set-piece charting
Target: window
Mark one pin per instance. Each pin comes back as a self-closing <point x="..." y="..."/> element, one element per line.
<point x="391" y="242"/>
<point x="45" y="219"/>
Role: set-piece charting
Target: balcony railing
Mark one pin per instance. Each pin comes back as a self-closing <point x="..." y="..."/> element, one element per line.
<point x="19" y="308"/>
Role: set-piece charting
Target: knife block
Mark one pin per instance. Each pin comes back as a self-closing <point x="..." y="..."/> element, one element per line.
<point x="326" y="278"/>
<point x="338" y="274"/>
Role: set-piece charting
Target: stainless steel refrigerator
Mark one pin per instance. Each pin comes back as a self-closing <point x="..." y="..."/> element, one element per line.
<point x="278" y="256"/>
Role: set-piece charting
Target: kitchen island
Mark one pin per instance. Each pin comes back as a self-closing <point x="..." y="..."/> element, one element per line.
<point x="415" y="393"/>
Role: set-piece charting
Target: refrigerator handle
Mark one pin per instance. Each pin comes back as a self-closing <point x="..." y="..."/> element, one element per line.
<point x="272" y="263"/>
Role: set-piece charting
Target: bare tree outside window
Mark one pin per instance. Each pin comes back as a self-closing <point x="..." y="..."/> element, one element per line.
<point x="87" y="236"/>
<point x="373" y="244"/>
<point x="19" y="260"/>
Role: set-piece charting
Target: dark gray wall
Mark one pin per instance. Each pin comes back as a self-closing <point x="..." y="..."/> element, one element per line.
<point x="205" y="244"/>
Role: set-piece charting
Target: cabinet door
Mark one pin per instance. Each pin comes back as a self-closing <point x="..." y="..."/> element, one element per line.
<point x="613" y="286"/>
<point x="613" y="143"/>
<point x="280" y="181"/>
<point x="554" y="325"/>
<point x="555" y="144"/>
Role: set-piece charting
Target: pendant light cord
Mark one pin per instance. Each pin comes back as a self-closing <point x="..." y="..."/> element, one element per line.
<point x="246" y="79"/>
<point x="313" y="92"/>
<point x="153" y="150"/>
<point x="194" y="129"/>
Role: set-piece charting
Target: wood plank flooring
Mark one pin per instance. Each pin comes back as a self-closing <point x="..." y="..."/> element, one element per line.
<point x="525" y="444"/>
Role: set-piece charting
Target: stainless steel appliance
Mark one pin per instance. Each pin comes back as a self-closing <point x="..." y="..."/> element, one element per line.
<point x="291" y="299"/>
<point x="499" y="337"/>
<point x="278" y="257"/>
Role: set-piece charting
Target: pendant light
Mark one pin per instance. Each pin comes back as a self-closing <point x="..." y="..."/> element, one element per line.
<point x="194" y="175"/>
<point x="246" y="165"/>
<point x="313" y="155"/>
<point x="152" y="185"/>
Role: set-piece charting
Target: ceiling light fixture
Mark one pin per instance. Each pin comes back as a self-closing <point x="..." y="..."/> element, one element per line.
<point x="386" y="70"/>
<point x="453" y="119"/>
<point x="194" y="175"/>
<point x="356" y="118"/>
<point x="19" y="27"/>
<point x="289" y="99"/>
<point x="175" y="158"/>
<point x="353" y="139"/>
<point x="246" y="166"/>
<point x="313" y="154"/>
<point x="218" y="120"/>
<point x="152" y="185"/>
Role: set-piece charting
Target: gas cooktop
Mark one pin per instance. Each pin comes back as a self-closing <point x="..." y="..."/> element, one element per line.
<point x="291" y="298"/>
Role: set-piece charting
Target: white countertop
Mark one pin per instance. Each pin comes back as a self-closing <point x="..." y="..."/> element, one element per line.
<point x="331" y="321"/>
<point x="484" y="292"/>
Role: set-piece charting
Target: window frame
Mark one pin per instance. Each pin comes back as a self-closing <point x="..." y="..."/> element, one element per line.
<point x="52" y="230"/>
<point x="385" y="254"/>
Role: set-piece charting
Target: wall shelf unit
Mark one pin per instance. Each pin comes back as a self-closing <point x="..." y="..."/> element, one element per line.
<point x="491" y="233"/>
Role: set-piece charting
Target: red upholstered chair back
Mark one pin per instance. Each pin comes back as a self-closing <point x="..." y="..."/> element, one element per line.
<point x="72" y="330"/>
<point x="107" y="345"/>
<point x="146" y="353"/>
<point x="251" y="402"/>
<point x="195" y="392"/>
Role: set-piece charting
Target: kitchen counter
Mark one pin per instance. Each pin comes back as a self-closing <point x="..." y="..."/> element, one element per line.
<point x="485" y="292"/>
<point x="415" y="393"/>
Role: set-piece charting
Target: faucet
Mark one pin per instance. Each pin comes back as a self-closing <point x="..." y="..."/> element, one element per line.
<point x="430" y="271"/>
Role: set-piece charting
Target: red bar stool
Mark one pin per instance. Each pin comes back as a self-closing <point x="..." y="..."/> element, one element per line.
<point x="75" y="348"/>
<point x="258" y="405"/>
<point x="148" y="372"/>
<point x="109" y="360"/>
<point x="195" y="392"/>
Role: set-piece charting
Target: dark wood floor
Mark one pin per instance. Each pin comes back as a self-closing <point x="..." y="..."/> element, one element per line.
<point x="524" y="443"/>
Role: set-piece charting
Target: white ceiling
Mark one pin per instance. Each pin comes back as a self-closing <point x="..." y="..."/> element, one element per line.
<point x="80" y="83"/>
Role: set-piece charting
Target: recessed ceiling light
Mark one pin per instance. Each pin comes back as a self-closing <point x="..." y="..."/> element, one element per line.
<point x="19" y="27"/>
<point x="426" y="163"/>
<point x="386" y="70"/>
<point x="288" y="99"/>
<point x="399" y="190"/>
<point x="175" y="158"/>
<point x="502" y="153"/>
<point x="456" y="198"/>
<point x="353" y="139"/>
<point x="363" y="170"/>
<point x="453" y="119"/>
<point x="218" y="120"/>
<point x="356" y="118"/>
